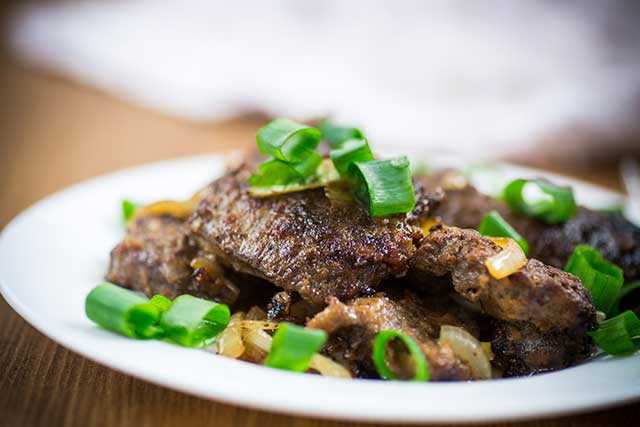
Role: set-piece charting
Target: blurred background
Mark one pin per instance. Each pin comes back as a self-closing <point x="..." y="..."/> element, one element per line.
<point x="90" y="86"/>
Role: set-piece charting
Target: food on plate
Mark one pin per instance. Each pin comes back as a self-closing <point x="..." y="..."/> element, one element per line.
<point x="347" y="265"/>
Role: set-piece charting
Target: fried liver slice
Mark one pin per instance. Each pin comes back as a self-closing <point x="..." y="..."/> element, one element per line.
<point x="353" y="326"/>
<point x="301" y="242"/>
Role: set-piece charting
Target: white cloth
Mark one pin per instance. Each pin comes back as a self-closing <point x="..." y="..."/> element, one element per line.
<point x="474" y="78"/>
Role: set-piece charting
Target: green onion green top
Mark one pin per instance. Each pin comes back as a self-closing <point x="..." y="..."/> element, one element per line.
<point x="540" y="199"/>
<point x="627" y="289"/>
<point x="194" y="322"/>
<point x="128" y="210"/>
<point x="278" y="173"/>
<point x="599" y="276"/>
<point x="380" y="352"/>
<point x="123" y="311"/>
<point x="494" y="225"/>
<point x="383" y="187"/>
<point x="287" y="140"/>
<point x="353" y="150"/>
<point x="335" y="135"/>
<point x="293" y="347"/>
<point x="619" y="335"/>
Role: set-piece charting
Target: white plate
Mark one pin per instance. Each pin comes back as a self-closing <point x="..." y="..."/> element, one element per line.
<point x="55" y="252"/>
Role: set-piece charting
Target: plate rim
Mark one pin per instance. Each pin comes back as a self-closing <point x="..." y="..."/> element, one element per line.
<point x="37" y="322"/>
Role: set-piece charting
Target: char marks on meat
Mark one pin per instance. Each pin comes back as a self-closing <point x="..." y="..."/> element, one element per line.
<point x="352" y="327"/>
<point x="540" y="297"/>
<point x="612" y="234"/>
<point x="302" y="243"/>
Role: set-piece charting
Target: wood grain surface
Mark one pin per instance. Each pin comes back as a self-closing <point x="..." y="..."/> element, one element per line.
<point x="54" y="133"/>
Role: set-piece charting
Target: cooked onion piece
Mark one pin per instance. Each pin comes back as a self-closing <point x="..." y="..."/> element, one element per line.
<point x="508" y="261"/>
<point x="467" y="348"/>
<point x="229" y="342"/>
<point x="259" y="324"/>
<point x="428" y="225"/>
<point x="256" y="313"/>
<point x="327" y="367"/>
<point x="172" y="208"/>
<point x="257" y="344"/>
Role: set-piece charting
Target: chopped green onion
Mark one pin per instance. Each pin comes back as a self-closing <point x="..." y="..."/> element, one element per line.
<point x="194" y="322"/>
<point x="161" y="302"/>
<point x="494" y="225"/>
<point x="287" y="140"/>
<point x="383" y="187"/>
<point x="599" y="276"/>
<point x="353" y="150"/>
<point x="128" y="210"/>
<point x="626" y="290"/>
<point x="293" y="347"/>
<point x="325" y="173"/>
<point x="336" y="135"/>
<point x="380" y="355"/>
<point x="277" y="172"/>
<point x="619" y="335"/>
<point x="540" y="199"/>
<point x="123" y="311"/>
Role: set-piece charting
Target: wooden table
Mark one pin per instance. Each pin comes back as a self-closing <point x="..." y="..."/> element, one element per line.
<point x="54" y="133"/>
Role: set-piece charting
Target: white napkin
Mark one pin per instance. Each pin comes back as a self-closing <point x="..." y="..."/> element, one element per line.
<point x="474" y="78"/>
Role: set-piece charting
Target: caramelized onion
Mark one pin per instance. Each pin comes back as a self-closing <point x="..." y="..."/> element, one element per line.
<point x="229" y="342"/>
<point x="172" y="208"/>
<point x="508" y="261"/>
<point x="467" y="348"/>
<point x="256" y="313"/>
<point x="428" y="225"/>
<point x="260" y="324"/>
<point x="257" y="344"/>
<point x="327" y="367"/>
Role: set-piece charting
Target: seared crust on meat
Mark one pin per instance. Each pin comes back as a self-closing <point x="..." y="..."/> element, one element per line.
<point x="521" y="349"/>
<point x="302" y="243"/>
<point x="542" y="295"/>
<point x="352" y="328"/>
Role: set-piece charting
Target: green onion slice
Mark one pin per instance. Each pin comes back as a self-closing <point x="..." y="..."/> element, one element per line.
<point x="626" y="290"/>
<point x="194" y="322"/>
<point x="380" y="355"/>
<point x="128" y="210"/>
<point x="161" y="302"/>
<point x="383" y="187"/>
<point x="619" y="335"/>
<point x="325" y="174"/>
<point x="602" y="278"/>
<point x="123" y="311"/>
<point x="335" y="135"/>
<point x="353" y="150"/>
<point x="540" y="199"/>
<point x="277" y="172"/>
<point x="293" y="347"/>
<point x="494" y="225"/>
<point x="287" y="140"/>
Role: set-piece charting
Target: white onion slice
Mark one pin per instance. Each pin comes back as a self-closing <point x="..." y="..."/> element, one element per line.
<point x="508" y="261"/>
<point x="229" y="342"/>
<point x="327" y="367"/>
<point x="467" y="348"/>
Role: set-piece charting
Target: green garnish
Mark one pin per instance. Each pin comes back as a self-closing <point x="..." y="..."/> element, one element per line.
<point x="123" y="311"/>
<point x="619" y="335"/>
<point x="540" y="199"/>
<point x="286" y="140"/>
<point x="421" y="367"/>
<point x="494" y="225"/>
<point x="353" y="150"/>
<point x="383" y="187"/>
<point x="128" y="210"/>
<point x="277" y="172"/>
<point x="599" y="276"/>
<point x="293" y="347"/>
<point x="194" y="322"/>
<point x="325" y="173"/>
<point x="627" y="289"/>
<point x="335" y="135"/>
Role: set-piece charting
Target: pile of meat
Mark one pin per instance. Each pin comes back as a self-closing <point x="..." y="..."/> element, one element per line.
<point x="362" y="275"/>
